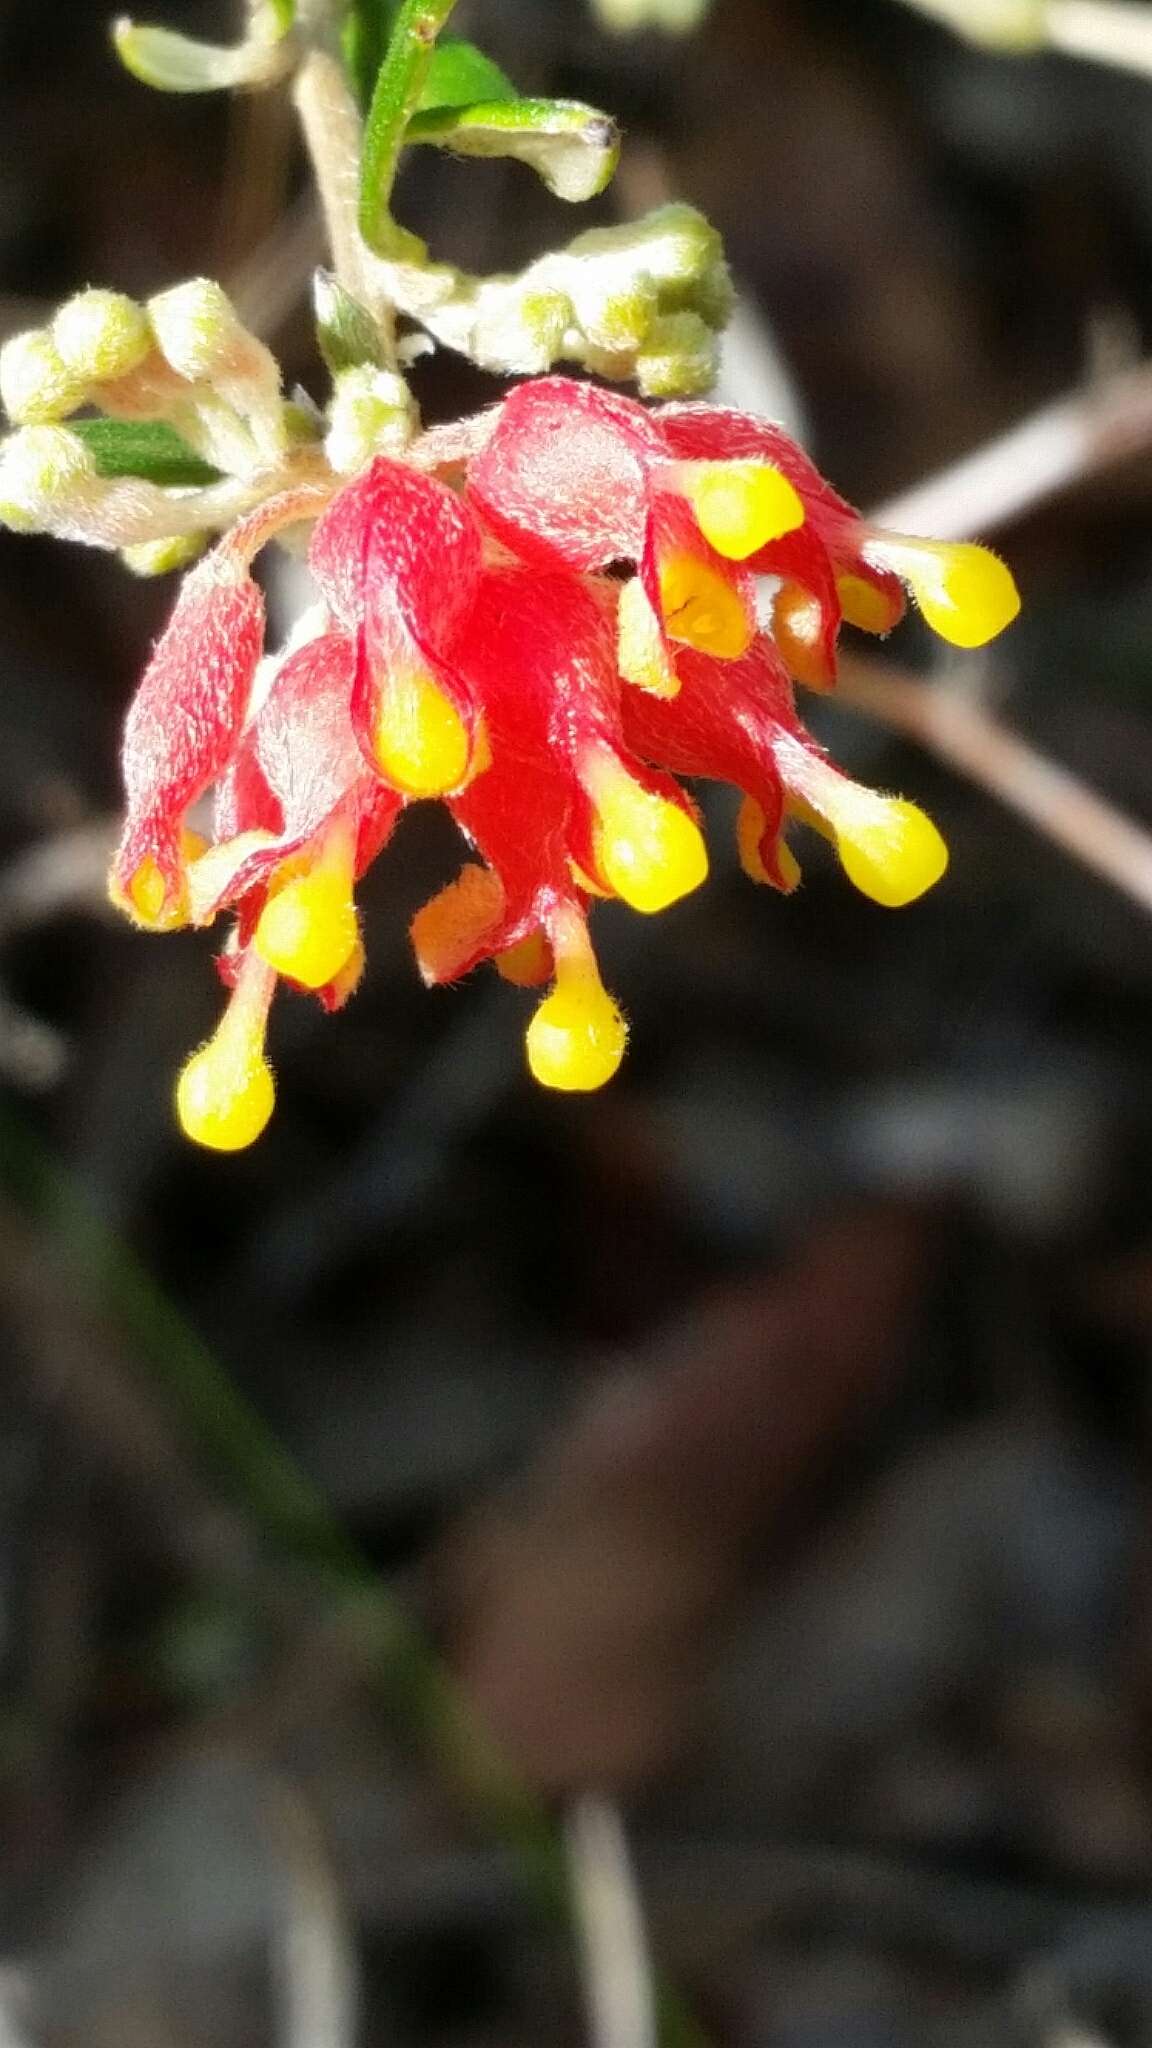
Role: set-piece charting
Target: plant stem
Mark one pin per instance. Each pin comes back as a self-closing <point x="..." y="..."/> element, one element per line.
<point x="394" y="101"/>
<point x="333" y="138"/>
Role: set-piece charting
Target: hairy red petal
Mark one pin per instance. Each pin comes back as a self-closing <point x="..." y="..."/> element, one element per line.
<point x="183" y="722"/>
<point x="565" y="476"/>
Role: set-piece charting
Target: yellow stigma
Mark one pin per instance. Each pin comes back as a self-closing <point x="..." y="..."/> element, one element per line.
<point x="647" y="849"/>
<point x="895" y="856"/>
<point x="226" y="1094"/>
<point x="864" y="605"/>
<point x="750" y="827"/>
<point x="307" y="928"/>
<point x="421" y="742"/>
<point x="701" y="607"/>
<point x="965" y="592"/>
<point x="641" y="655"/>
<point x="577" y="1038"/>
<point x="741" y="506"/>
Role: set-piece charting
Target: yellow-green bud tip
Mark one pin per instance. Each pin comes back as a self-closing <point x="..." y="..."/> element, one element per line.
<point x="102" y="335"/>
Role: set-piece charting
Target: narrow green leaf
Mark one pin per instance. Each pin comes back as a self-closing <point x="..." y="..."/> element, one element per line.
<point x="145" y="448"/>
<point x="396" y="97"/>
<point x="347" y="334"/>
<point x="460" y="75"/>
<point x="574" y="148"/>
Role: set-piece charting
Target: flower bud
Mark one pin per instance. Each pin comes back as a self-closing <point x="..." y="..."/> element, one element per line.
<point x="199" y="331"/>
<point x="101" y="335"/>
<point x="680" y="359"/>
<point x="202" y="337"/>
<point x="524" y="333"/>
<point x="36" y="385"/>
<point x="45" y="473"/>
<point x="372" y="413"/>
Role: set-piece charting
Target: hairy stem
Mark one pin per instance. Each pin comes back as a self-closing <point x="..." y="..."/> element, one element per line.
<point x="394" y="101"/>
<point x="334" y="140"/>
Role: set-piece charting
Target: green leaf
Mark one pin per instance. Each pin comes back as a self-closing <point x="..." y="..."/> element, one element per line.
<point x="346" y="331"/>
<point x="574" y="148"/>
<point x="175" y="63"/>
<point x="396" y="96"/>
<point x="145" y="448"/>
<point x="460" y="75"/>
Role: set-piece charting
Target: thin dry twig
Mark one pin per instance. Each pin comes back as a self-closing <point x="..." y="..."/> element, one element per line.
<point x="316" y="1958"/>
<point x="1079" y="436"/>
<point x="610" y="1917"/>
<point x="960" y="730"/>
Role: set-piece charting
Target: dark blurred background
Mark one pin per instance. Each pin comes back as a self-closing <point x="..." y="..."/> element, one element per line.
<point x="764" y="1444"/>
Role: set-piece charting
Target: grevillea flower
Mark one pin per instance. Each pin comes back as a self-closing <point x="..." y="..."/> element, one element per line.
<point x="543" y="619"/>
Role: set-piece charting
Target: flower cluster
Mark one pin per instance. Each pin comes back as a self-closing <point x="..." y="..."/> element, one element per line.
<point x="542" y="618"/>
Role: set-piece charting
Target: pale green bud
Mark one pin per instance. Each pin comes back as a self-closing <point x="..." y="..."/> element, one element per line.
<point x="102" y="335"/>
<point x="46" y="473"/>
<point x="37" y="388"/>
<point x="372" y="413"/>
<point x="201" y="335"/>
<point x="680" y="359"/>
<point x="161" y="557"/>
<point x="524" y="333"/>
<point x="619" y="321"/>
<point x="199" y="330"/>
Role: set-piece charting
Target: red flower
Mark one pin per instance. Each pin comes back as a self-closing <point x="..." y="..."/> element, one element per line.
<point x="480" y="643"/>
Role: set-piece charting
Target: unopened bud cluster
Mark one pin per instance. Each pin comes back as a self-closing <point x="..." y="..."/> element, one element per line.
<point x="184" y="361"/>
<point x="645" y="303"/>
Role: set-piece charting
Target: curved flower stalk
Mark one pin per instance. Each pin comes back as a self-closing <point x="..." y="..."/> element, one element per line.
<point x="543" y="619"/>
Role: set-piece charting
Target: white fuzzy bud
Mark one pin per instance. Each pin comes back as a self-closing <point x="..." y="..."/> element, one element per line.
<point x="46" y="475"/>
<point x="101" y="335"/>
<point x="372" y="413"/>
<point x="36" y="386"/>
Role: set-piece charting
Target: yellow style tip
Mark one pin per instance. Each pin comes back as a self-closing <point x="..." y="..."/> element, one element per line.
<point x="896" y="857"/>
<point x="965" y="592"/>
<point x="308" y="930"/>
<point x="741" y="506"/>
<point x="647" y="849"/>
<point x="576" y="1040"/>
<point x="421" y="743"/>
<point x="225" y="1095"/>
<point x="702" y="609"/>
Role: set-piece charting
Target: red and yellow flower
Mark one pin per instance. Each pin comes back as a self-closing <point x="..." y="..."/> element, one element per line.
<point x="542" y="620"/>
